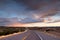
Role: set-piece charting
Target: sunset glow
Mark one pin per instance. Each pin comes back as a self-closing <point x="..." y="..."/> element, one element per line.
<point x="38" y="24"/>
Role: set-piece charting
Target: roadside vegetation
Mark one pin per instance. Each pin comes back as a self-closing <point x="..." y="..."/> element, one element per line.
<point x="46" y="29"/>
<point x="10" y="30"/>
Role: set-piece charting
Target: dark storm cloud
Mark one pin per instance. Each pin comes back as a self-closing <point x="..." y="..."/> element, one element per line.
<point x="40" y="4"/>
<point x="26" y="6"/>
<point x="36" y="4"/>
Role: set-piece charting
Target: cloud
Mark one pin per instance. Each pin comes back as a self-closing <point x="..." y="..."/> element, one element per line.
<point x="25" y="7"/>
<point x="28" y="10"/>
<point x="36" y="4"/>
<point x="4" y="21"/>
<point x="28" y="20"/>
<point x="8" y="21"/>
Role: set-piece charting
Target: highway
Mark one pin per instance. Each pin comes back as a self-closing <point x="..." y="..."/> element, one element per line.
<point x="30" y="35"/>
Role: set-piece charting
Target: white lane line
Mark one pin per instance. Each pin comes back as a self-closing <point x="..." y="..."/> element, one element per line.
<point x="39" y="36"/>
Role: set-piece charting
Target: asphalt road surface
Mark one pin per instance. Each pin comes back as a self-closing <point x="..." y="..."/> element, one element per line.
<point x="31" y="35"/>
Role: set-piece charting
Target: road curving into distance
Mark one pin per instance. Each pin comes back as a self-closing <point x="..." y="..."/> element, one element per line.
<point x="30" y="35"/>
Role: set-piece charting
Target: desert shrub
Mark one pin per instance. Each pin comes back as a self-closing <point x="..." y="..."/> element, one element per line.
<point x="7" y="30"/>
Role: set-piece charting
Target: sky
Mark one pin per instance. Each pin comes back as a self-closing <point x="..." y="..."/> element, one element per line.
<point x="27" y="11"/>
